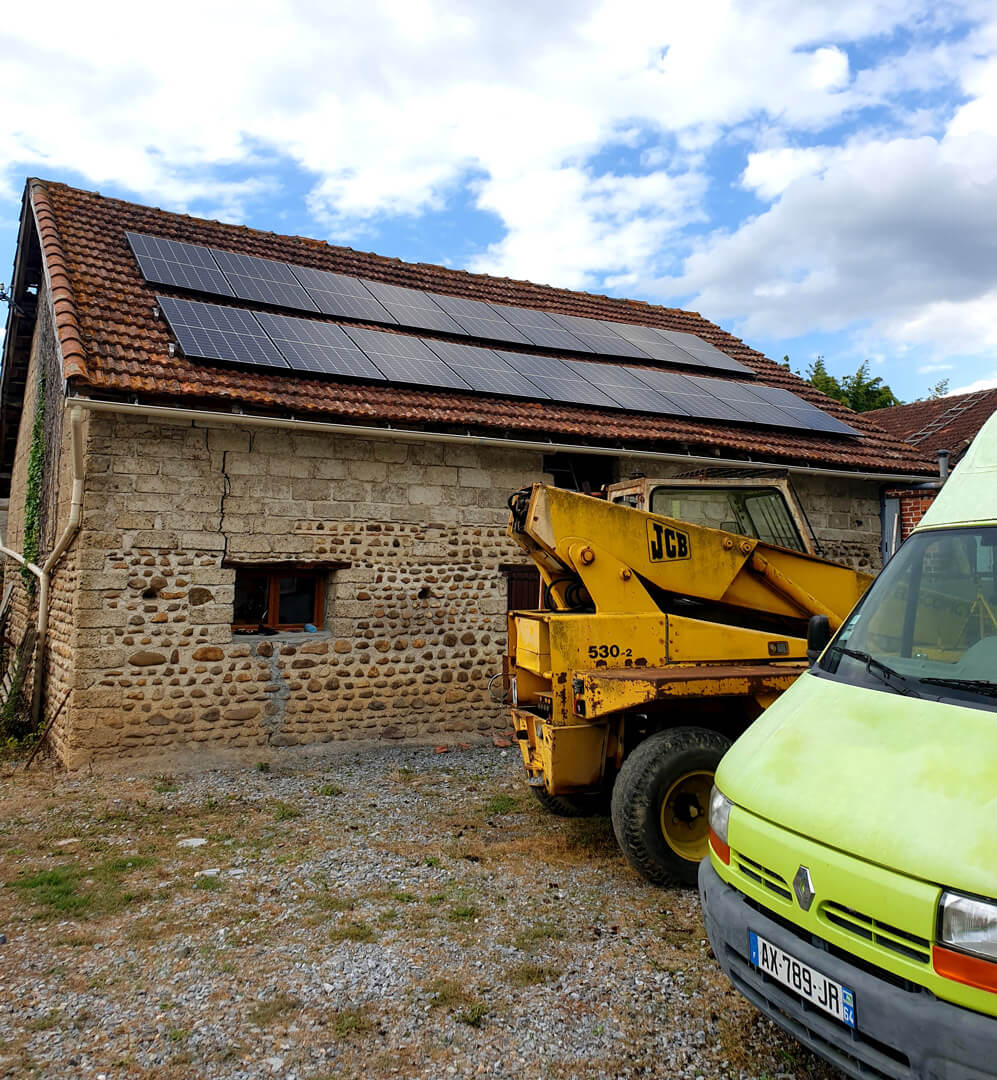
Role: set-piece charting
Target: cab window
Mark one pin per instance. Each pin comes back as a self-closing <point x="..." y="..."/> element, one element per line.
<point x="757" y="512"/>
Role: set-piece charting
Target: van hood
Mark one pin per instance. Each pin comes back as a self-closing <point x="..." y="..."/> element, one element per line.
<point x="906" y="783"/>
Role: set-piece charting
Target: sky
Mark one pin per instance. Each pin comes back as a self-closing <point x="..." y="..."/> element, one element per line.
<point x="817" y="178"/>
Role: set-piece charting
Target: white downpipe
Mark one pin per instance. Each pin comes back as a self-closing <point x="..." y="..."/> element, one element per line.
<point x="194" y="416"/>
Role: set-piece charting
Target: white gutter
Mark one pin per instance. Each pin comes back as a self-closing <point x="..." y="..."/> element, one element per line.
<point x="195" y="416"/>
<point x="44" y="573"/>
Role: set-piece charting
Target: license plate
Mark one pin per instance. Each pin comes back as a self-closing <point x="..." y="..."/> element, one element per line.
<point x="809" y="983"/>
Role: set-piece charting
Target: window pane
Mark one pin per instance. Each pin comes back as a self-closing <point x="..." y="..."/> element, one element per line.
<point x="297" y="598"/>
<point x="759" y="513"/>
<point x="250" y="607"/>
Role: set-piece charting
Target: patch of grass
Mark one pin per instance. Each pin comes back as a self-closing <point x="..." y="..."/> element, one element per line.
<point x="262" y="766"/>
<point x="123" y="865"/>
<point x="529" y="974"/>
<point x="283" y="811"/>
<point x="403" y="897"/>
<point x="473" y="1015"/>
<point x="166" y="785"/>
<point x="264" y="1013"/>
<point x="349" y="1022"/>
<point x="330" y="901"/>
<point x="209" y="883"/>
<point x="43" y="1023"/>
<point x="501" y="804"/>
<point x="328" y="789"/>
<point x="446" y="993"/>
<point x="54" y="890"/>
<point x="463" y="913"/>
<point x="352" y="931"/>
<point x="530" y="937"/>
<point x="386" y="918"/>
<point x="178" y="1035"/>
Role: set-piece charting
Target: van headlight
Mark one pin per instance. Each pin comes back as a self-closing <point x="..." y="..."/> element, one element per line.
<point x="720" y="807"/>
<point x="968" y="924"/>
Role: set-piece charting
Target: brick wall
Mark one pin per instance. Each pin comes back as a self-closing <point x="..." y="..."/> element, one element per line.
<point x="913" y="507"/>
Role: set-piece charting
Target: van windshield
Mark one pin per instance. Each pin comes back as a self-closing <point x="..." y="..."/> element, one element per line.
<point x="928" y="624"/>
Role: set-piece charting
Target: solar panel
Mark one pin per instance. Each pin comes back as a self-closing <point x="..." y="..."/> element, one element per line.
<point x="322" y="347"/>
<point x="413" y="307"/>
<point x="338" y="294"/>
<point x="405" y="359"/>
<point x="648" y="339"/>
<point x="703" y="352"/>
<point x="212" y="332"/>
<point x="539" y="328"/>
<point x="757" y="410"/>
<point x="264" y="280"/>
<point x="623" y="386"/>
<point x="480" y="320"/>
<point x="558" y="379"/>
<point x="485" y="370"/>
<point x="598" y="336"/>
<point x="809" y="416"/>
<point x="170" y="262"/>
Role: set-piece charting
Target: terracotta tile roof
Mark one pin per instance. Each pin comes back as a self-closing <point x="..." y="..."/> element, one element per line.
<point x="948" y="423"/>
<point x="113" y="344"/>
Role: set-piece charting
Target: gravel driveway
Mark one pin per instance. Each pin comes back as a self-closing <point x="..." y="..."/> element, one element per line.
<point x="371" y="911"/>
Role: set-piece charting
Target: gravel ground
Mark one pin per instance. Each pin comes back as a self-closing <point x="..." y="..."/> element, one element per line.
<point x="374" y="911"/>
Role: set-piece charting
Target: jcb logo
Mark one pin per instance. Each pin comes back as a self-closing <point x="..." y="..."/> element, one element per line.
<point x="666" y="543"/>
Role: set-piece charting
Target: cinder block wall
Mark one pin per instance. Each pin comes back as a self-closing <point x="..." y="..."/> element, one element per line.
<point x="415" y="626"/>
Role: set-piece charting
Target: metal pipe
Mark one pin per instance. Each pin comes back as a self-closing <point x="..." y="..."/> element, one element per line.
<point x="194" y="416"/>
<point x="943" y="465"/>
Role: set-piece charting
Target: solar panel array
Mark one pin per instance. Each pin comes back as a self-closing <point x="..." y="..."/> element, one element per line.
<point x="213" y="332"/>
<point x="302" y="288"/>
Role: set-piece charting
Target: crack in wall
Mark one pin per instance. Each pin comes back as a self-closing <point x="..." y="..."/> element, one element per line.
<point x="276" y="707"/>
<point x="226" y="490"/>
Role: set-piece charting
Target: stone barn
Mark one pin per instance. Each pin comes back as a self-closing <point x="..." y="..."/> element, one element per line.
<point x="257" y="484"/>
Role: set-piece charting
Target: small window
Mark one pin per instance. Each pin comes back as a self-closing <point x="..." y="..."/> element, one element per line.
<point x="278" y="598"/>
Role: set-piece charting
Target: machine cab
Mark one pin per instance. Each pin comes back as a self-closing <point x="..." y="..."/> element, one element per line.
<point x="763" y="507"/>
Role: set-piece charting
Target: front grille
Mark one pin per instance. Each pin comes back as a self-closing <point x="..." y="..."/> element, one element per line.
<point x="769" y="878"/>
<point x="879" y="933"/>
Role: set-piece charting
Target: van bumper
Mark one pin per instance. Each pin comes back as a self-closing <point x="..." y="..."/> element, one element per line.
<point x="900" y="1035"/>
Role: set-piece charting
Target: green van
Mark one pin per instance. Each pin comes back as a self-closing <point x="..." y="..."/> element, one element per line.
<point x="851" y="888"/>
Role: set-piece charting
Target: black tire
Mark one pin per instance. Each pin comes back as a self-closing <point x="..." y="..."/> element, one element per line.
<point x="662" y="765"/>
<point x="570" y="806"/>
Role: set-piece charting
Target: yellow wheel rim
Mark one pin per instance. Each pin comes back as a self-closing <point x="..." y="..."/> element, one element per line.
<point x="685" y="817"/>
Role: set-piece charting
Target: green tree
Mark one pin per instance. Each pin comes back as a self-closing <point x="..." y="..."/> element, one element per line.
<point x="818" y="375"/>
<point x="859" y="391"/>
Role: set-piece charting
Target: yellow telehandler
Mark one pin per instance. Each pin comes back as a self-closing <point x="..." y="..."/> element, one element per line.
<point x="660" y="640"/>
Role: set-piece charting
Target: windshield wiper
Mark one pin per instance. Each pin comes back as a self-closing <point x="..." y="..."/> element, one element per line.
<point x="872" y="665"/>
<point x="977" y="686"/>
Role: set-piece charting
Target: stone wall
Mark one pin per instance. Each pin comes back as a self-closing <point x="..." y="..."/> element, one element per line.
<point x="415" y="625"/>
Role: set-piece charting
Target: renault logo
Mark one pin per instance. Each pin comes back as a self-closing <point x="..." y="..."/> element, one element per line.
<point x="803" y="886"/>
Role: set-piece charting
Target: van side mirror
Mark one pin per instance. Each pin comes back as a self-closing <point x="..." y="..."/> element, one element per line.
<point x="818" y="635"/>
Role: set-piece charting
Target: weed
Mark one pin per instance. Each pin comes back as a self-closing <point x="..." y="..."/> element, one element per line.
<point x="433" y="861"/>
<point x="330" y="901"/>
<point x="349" y="1022"/>
<point x="473" y="1014"/>
<point x="209" y="883"/>
<point x="283" y="811"/>
<point x="530" y="937"/>
<point x="266" y="1012"/>
<point x="166" y="785"/>
<point x="329" y="789"/>
<point x="446" y="993"/>
<point x="386" y="918"/>
<point x="178" y="1035"/>
<point x="43" y="1023"/>
<point x="501" y="804"/>
<point x="54" y="889"/>
<point x="352" y="931"/>
<point x="463" y="913"/>
<point x="263" y="766"/>
<point x="403" y="897"/>
<point x="529" y="974"/>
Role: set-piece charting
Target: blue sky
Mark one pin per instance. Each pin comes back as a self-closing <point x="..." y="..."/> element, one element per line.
<point x="815" y="178"/>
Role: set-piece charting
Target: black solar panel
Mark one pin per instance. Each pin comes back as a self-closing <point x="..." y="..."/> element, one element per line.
<point x="405" y="359"/>
<point x="485" y="370"/>
<point x="655" y="345"/>
<point x="480" y="320"/>
<point x="703" y="352"/>
<point x="623" y="386"/>
<point x="558" y="379"/>
<point x="170" y="262"/>
<point x="264" y="280"/>
<point x="540" y="329"/>
<point x="212" y="332"/>
<point x="757" y="410"/>
<point x="413" y="307"/>
<point x="338" y="294"/>
<point x="599" y="336"/>
<point x="322" y="347"/>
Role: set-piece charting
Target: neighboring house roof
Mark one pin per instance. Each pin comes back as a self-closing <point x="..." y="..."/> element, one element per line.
<point x="113" y="345"/>
<point x="948" y="423"/>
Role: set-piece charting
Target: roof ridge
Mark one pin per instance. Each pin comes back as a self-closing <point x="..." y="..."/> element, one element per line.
<point x="61" y="297"/>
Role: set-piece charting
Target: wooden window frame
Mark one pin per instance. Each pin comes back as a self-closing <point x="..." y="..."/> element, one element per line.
<point x="272" y="573"/>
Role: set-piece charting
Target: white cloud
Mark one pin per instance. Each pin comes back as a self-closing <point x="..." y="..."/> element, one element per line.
<point x="986" y="383"/>
<point x="770" y="172"/>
